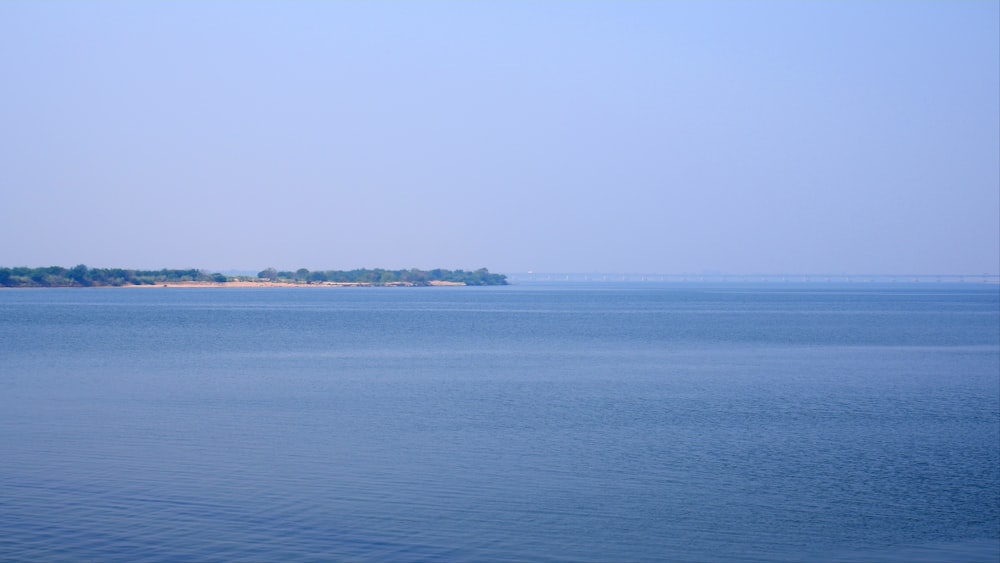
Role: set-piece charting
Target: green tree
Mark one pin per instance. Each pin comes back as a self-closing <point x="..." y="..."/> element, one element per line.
<point x="79" y="274"/>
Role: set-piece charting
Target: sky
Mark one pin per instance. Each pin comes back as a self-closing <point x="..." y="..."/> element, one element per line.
<point x="590" y="136"/>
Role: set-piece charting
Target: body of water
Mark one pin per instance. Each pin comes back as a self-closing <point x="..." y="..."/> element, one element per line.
<point x="631" y="422"/>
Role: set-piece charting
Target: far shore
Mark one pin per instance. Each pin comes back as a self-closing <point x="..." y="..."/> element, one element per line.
<point x="235" y="284"/>
<point x="82" y="276"/>
<point x="238" y="284"/>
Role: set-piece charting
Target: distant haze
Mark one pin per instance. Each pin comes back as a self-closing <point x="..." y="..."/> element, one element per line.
<point x="765" y="137"/>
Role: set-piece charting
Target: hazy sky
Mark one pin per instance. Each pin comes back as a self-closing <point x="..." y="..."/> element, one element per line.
<point x="589" y="136"/>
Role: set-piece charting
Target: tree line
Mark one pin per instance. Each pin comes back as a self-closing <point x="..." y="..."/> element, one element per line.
<point x="82" y="276"/>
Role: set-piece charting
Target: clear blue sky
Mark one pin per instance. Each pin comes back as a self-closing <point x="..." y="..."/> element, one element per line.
<point x="590" y="136"/>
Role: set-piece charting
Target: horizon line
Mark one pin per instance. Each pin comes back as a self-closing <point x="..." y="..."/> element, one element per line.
<point x="751" y="277"/>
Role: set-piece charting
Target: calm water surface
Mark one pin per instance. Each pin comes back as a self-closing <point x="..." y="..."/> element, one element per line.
<point x="581" y="423"/>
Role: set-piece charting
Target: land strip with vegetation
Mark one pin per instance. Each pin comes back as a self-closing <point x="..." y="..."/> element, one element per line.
<point x="82" y="276"/>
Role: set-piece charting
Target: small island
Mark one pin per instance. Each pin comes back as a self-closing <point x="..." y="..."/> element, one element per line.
<point x="82" y="276"/>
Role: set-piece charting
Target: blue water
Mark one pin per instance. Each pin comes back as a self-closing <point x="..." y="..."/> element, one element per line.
<point x="585" y="423"/>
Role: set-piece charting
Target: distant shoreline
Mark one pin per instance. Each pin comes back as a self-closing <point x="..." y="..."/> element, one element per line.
<point x="242" y="284"/>
<point x="82" y="276"/>
<point x="265" y="284"/>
